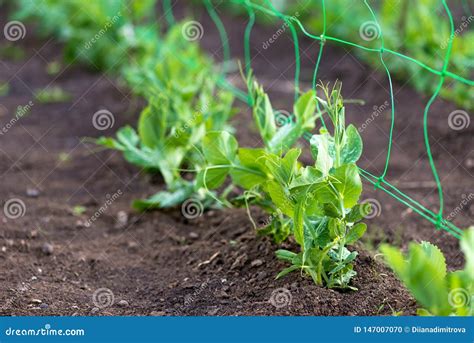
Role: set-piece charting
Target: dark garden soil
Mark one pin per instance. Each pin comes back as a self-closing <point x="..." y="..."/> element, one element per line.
<point x="161" y="263"/>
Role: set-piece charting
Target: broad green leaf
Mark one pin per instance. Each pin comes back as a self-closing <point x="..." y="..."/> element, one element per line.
<point x="304" y="110"/>
<point x="212" y="177"/>
<point x="220" y="147"/>
<point x="253" y="158"/>
<point x="284" y="138"/>
<point x="308" y="176"/>
<point x="355" y="233"/>
<point x="253" y="172"/>
<point x="357" y="213"/>
<point x="320" y="232"/>
<point x="284" y="168"/>
<point x="436" y="258"/>
<point x="280" y="198"/>
<point x="352" y="149"/>
<point x="320" y="151"/>
<point x="152" y="122"/>
<point x="423" y="274"/>
<point x="348" y="184"/>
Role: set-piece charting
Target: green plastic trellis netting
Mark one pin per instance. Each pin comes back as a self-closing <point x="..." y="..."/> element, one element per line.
<point x="296" y="28"/>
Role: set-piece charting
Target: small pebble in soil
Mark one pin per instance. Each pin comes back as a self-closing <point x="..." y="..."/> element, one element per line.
<point x="33" y="234"/>
<point x="32" y="192"/>
<point x="213" y="311"/>
<point x="193" y="235"/>
<point x="123" y="303"/>
<point x="132" y="247"/>
<point x="35" y="301"/>
<point x="95" y="310"/>
<point x="122" y="220"/>
<point x="43" y="306"/>
<point x="224" y="294"/>
<point x="256" y="263"/>
<point x="81" y="224"/>
<point x="158" y="313"/>
<point x="47" y="248"/>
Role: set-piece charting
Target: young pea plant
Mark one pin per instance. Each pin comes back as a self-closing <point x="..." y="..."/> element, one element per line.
<point x="325" y="211"/>
<point x="317" y="204"/>
<point x="97" y="33"/>
<point x="423" y="271"/>
<point x="254" y="169"/>
<point x="51" y="95"/>
<point x="173" y="125"/>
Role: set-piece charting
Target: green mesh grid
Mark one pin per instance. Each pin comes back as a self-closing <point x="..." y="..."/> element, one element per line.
<point x="378" y="181"/>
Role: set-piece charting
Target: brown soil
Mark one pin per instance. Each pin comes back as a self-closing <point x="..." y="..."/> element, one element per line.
<point x="160" y="263"/>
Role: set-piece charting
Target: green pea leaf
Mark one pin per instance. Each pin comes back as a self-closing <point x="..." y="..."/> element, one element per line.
<point x="220" y="147"/>
<point x="320" y="150"/>
<point x="280" y="198"/>
<point x="355" y="233"/>
<point x="152" y="122"/>
<point x="304" y="110"/>
<point x="348" y="184"/>
<point x="352" y="149"/>
<point x="254" y="171"/>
